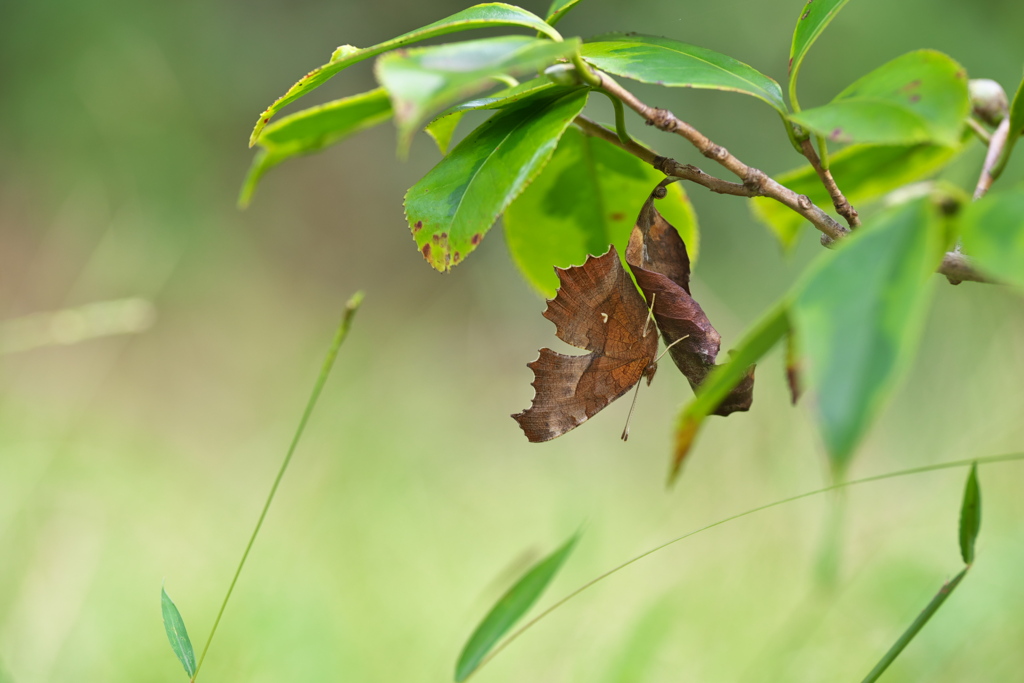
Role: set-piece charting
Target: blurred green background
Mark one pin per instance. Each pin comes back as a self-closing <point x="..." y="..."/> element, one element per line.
<point x="131" y="459"/>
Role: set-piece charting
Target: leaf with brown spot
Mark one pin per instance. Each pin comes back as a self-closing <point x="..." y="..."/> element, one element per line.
<point x="657" y="256"/>
<point x="597" y="308"/>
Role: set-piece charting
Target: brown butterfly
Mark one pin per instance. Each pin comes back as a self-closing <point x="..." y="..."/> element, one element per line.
<point x="597" y="308"/>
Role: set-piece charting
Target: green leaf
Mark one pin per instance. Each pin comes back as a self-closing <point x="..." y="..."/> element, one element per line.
<point x="313" y="129"/>
<point x="586" y="198"/>
<point x="772" y="327"/>
<point x="864" y="172"/>
<point x="479" y="16"/>
<point x="425" y="81"/>
<point x="662" y="61"/>
<point x="451" y="208"/>
<point x="176" y="634"/>
<point x="535" y="89"/>
<point x="558" y="10"/>
<point x="1015" y="131"/>
<point x="443" y="128"/>
<point x="509" y="609"/>
<point x="970" y="516"/>
<point x="992" y="233"/>
<point x="858" y="315"/>
<point x="914" y="628"/>
<point x="814" y="17"/>
<point x="918" y="97"/>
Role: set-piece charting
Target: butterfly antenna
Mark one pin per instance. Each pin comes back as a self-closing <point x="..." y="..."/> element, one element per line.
<point x="685" y="336"/>
<point x="650" y="316"/>
<point x="625" y="430"/>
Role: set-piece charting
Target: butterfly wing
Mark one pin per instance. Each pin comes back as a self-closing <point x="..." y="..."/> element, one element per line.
<point x="597" y="308"/>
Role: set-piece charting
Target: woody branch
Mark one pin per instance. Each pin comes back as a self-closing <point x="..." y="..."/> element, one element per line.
<point x="756" y="183"/>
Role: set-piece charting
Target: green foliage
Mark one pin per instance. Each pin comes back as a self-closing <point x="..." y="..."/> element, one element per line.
<point x="667" y="62"/>
<point x="558" y="10"/>
<point x="864" y="172"/>
<point x="422" y="82"/>
<point x="177" y="636"/>
<point x="1015" y="130"/>
<point x="992" y="231"/>
<point x="510" y="609"/>
<point x="852" y="321"/>
<point x="918" y="97"/>
<point x="814" y="17"/>
<point x="585" y="199"/>
<point x="451" y="208"/>
<point x="858" y="315"/>
<point x="443" y="127"/>
<point x="970" y="516"/>
<point x="313" y="129"/>
<point x="762" y="336"/>
<point x="487" y="15"/>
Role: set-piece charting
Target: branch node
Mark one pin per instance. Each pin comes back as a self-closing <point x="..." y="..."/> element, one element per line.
<point x="716" y="152"/>
<point x="805" y="203"/>
<point x="662" y="119"/>
<point x="754" y="179"/>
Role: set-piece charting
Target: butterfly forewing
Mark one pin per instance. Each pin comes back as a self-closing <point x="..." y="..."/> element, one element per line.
<point x="597" y="308"/>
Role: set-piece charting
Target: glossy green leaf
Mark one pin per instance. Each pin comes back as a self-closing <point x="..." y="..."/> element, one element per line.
<point x="442" y="128"/>
<point x="908" y="635"/>
<point x="558" y="10"/>
<point x="1015" y="131"/>
<point x="662" y="61"/>
<point x="858" y="315"/>
<point x="767" y="332"/>
<point x="992" y="233"/>
<point x="970" y="516"/>
<point x="313" y="129"/>
<point x="451" y="208"/>
<point x="479" y="16"/>
<point x="864" y="172"/>
<point x="814" y="17"/>
<point x="918" y="97"/>
<point x="177" y="636"/>
<point x="587" y="197"/>
<point x="425" y="81"/>
<point x="509" y="609"/>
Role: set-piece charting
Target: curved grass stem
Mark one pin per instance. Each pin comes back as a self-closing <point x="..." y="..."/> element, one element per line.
<point x="346" y="322"/>
<point x="1007" y="457"/>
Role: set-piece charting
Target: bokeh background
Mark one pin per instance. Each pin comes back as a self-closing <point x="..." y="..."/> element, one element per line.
<point x="142" y="457"/>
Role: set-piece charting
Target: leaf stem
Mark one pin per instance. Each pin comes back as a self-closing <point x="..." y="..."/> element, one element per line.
<point x="979" y="130"/>
<point x="922" y="619"/>
<point x="620" y="117"/>
<point x="343" y="328"/>
<point x="586" y="73"/>
<point x="1006" y="457"/>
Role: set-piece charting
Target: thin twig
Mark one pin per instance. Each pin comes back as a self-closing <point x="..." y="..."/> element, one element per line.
<point x="669" y="167"/>
<point x="756" y="183"/>
<point x="995" y="150"/>
<point x="760" y="183"/>
<point x="839" y="201"/>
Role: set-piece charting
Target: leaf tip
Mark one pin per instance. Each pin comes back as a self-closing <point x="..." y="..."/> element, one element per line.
<point x="685" y="435"/>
